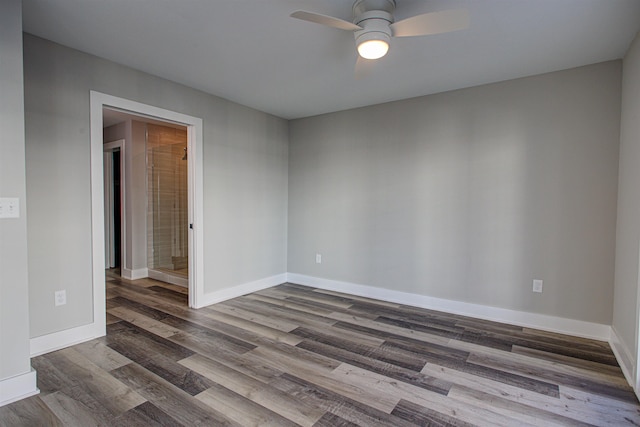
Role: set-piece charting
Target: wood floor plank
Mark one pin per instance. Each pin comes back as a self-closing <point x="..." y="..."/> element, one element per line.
<point x="260" y="393"/>
<point x="173" y="295"/>
<point x="561" y="359"/>
<point x="528" y="360"/>
<point x="101" y="355"/>
<point x="303" y="308"/>
<point x="434" y="329"/>
<point x="303" y="293"/>
<point x="246" y="330"/>
<point x="181" y="406"/>
<point x="573" y="406"/>
<point x="407" y="361"/>
<point x="234" y="326"/>
<point x="197" y="344"/>
<point x="603" y="410"/>
<point x="234" y="308"/>
<point x="145" y="415"/>
<point x="337" y="404"/>
<point x="332" y="420"/>
<point x="152" y="358"/>
<point x="514" y="410"/>
<point x="506" y="342"/>
<point x="338" y="337"/>
<point x="112" y="394"/>
<point x="353" y="298"/>
<point x="542" y="387"/>
<point x="616" y="391"/>
<point x="242" y="410"/>
<point x="383" y="385"/>
<point x="324" y="379"/>
<point x="392" y="371"/>
<point x="278" y="297"/>
<point x="295" y="312"/>
<point x="373" y="328"/>
<point x="143" y="322"/>
<point x="419" y="415"/>
<point x="72" y="411"/>
<point x="179" y="326"/>
<point x="28" y="412"/>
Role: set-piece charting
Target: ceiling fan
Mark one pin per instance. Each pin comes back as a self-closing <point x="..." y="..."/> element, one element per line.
<point x="373" y="24"/>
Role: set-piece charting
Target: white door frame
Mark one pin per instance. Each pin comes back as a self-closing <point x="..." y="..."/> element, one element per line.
<point x="195" y="184"/>
<point x="109" y="148"/>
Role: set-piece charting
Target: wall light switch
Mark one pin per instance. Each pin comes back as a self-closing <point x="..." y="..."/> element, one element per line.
<point x="9" y="207"/>
<point x="537" y="285"/>
<point x="318" y="259"/>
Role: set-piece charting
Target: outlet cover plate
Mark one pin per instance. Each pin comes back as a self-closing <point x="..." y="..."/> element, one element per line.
<point x="537" y="285"/>
<point x="61" y="297"/>
<point x="9" y="207"/>
<point x="318" y="259"/>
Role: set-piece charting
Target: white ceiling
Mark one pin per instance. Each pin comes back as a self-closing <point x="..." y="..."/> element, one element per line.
<point x="251" y="52"/>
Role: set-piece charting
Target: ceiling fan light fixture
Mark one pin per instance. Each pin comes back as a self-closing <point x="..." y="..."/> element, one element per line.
<point x="373" y="45"/>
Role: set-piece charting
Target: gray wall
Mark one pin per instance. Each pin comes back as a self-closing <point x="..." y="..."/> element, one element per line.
<point x="625" y="307"/>
<point x="467" y="195"/>
<point x="245" y="179"/>
<point x="14" y="291"/>
<point x="135" y="246"/>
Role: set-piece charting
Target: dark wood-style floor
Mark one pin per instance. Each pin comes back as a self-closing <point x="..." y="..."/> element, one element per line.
<point x="293" y="355"/>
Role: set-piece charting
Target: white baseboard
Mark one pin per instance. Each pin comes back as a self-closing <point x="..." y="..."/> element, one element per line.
<point x="68" y="337"/>
<point x="139" y="273"/>
<point x="520" y="318"/>
<point x="18" y="387"/>
<point x="625" y="359"/>
<point x="168" y="278"/>
<point x="246" y="288"/>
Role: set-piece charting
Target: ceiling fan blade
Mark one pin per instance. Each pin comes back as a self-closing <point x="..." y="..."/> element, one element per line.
<point x="362" y="67"/>
<point x="432" y="23"/>
<point x="329" y="21"/>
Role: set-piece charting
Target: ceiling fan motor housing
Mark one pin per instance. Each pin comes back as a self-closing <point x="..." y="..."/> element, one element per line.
<point x="375" y="18"/>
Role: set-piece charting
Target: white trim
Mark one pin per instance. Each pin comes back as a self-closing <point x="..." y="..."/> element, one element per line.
<point x="138" y="273"/>
<point x="196" y="178"/>
<point x="544" y="322"/>
<point x="19" y="387"/>
<point x="68" y="337"/>
<point x="625" y="358"/>
<point x="195" y="182"/>
<point x="246" y="288"/>
<point x="168" y="278"/>
<point x="635" y="371"/>
<point x="97" y="221"/>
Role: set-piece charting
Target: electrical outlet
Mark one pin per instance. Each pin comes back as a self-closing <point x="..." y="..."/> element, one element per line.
<point x="318" y="259"/>
<point x="9" y="207"/>
<point x="537" y="285"/>
<point x="61" y="297"/>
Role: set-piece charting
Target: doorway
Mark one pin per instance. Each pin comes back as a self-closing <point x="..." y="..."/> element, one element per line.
<point x="194" y="130"/>
<point x="152" y="201"/>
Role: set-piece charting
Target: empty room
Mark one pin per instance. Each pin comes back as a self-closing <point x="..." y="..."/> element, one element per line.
<point x="320" y="213"/>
